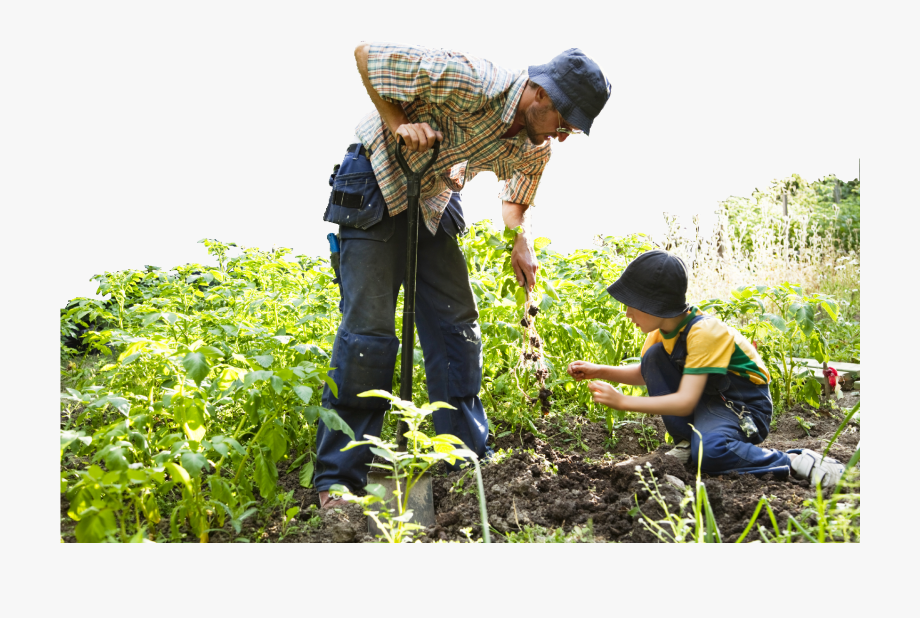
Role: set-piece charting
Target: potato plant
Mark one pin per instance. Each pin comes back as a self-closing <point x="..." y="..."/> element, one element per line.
<point x="184" y="390"/>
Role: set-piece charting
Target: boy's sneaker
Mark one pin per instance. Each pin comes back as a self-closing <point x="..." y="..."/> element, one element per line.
<point x="681" y="451"/>
<point x="812" y="466"/>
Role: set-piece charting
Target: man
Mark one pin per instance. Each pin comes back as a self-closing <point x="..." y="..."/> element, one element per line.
<point x="486" y="118"/>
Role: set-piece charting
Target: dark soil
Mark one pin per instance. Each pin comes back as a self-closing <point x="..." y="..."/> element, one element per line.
<point x="572" y="474"/>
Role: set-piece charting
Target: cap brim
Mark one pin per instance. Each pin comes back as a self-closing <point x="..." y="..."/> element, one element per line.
<point x="569" y="110"/>
<point x="638" y="301"/>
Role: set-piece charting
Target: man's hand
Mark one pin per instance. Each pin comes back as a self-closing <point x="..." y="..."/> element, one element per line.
<point x="604" y="393"/>
<point x="524" y="261"/>
<point x="419" y="137"/>
<point x="583" y="370"/>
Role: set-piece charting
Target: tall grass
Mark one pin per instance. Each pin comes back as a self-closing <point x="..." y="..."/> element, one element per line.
<point x="752" y="242"/>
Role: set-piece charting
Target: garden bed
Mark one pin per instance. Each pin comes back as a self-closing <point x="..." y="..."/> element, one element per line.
<point x="573" y="476"/>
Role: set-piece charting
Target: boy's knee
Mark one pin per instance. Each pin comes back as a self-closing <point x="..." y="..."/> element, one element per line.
<point x="715" y="451"/>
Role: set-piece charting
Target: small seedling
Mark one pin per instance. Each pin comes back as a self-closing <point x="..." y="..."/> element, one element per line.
<point x="805" y="425"/>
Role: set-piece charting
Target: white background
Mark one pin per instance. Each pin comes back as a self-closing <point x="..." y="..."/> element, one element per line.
<point x="141" y="128"/>
<point x="130" y="130"/>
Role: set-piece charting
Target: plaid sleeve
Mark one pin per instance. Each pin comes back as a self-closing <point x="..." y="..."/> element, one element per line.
<point x="403" y="73"/>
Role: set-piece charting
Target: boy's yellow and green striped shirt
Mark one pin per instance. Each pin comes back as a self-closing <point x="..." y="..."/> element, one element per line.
<point x="713" y="347"/>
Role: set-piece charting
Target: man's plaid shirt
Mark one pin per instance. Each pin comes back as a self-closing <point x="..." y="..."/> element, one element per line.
<point x="473" y="103"/>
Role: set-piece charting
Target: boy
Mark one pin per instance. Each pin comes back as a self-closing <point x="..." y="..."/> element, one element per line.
<point x="698" y="370"/>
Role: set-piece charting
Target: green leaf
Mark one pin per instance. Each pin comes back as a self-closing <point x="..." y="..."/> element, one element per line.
<point x="277" y="384"/>
<point x="178" y="473"/>
<point x="297" y="461"/>
<point x="96" y="526"/>
<point x="252" y="405"/>
<point x="218" y="444"/>
<point x="520" y="296"/>
<point x="550" y="290"/>
<point x="266" y="475"/>
<point x="210" y="352"/>
<point x="830" y="307"/>
<point x="377" y="490"/>
<point x="236" y="445"/>
<point x="265" y="360"/>
<point x="311" y="413"/>
<point x="330" y="383"/>
<point x="68" y="437"/>
<point x="812" y="392"/>
<point x="541" y="243"/>
<point x="333" y="421"/>
<point x="447" y="438"/>
<point x="255" y="376"/>
<point x="816" y="346"/>
<point x="777" y="322"/>
<point x="193" y="419"/>
<point x="382" y="453"/>
<point x="306" y="475"/>
<point x="150" y="318"/>
<point x="193" y="462"/>
<point x="305" y="393"/>
<point x="197" y="367"/>
<point x="114" y="457"/>
<point x="378" y="393"/>
<point x="276" y="441"/>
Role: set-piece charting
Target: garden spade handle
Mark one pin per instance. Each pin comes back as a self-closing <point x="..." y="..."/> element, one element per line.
<point x="413" y="189"/>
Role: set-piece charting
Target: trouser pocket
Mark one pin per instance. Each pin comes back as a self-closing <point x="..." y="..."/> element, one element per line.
<point x="362" y="363"/>
<point x="356" y="200"/>
<point x="464" y="358"/>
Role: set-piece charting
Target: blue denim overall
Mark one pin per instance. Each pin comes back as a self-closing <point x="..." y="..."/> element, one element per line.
<point x="726" y="447"/>
<point x="372" y="269"/>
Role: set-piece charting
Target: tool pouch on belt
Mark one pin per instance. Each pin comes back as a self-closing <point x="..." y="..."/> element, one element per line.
<point x="356" y="200"/>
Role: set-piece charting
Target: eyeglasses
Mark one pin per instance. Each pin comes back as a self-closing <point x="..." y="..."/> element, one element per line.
<point x="562" y="129"/>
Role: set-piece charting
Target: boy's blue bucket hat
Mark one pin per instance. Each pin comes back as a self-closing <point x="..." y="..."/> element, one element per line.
<point x="576" y="86"/>
<point x="654" y="283"/>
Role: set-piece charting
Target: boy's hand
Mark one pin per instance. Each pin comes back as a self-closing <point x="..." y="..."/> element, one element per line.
<point x="583" y="370"/>
<point x="607" y="395"/>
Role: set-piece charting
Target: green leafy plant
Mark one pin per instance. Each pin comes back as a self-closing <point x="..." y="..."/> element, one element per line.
<point x="539" y="534"/>
<point x="781" y="334"/>
<point x="407" y="468"/>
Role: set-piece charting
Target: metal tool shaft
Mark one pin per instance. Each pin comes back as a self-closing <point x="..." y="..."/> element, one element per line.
<point x="413" y="189"/>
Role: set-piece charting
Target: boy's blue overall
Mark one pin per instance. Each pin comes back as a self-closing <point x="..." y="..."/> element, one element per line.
<point x="726" y="447"/>
<point x="372" y="269"/>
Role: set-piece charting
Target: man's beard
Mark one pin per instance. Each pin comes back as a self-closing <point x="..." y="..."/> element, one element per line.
<point x="531" y="117"/>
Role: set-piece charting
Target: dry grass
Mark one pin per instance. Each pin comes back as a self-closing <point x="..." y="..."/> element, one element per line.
<point x="719" y="262"/>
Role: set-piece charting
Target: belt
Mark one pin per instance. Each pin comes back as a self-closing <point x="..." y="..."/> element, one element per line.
<point x="362" y="151"/>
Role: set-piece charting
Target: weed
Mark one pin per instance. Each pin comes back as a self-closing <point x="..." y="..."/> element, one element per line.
<point x="805" y="425"/>
<point x="539" y="534"/>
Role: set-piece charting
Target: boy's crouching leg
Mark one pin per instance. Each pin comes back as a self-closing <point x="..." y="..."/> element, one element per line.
<point x="723" y="453"/>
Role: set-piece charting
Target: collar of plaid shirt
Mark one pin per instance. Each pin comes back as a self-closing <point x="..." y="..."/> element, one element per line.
<point x="472" y="137"/>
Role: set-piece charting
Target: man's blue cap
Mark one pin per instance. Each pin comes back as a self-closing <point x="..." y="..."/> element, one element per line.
<point x="576" y="86"/>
